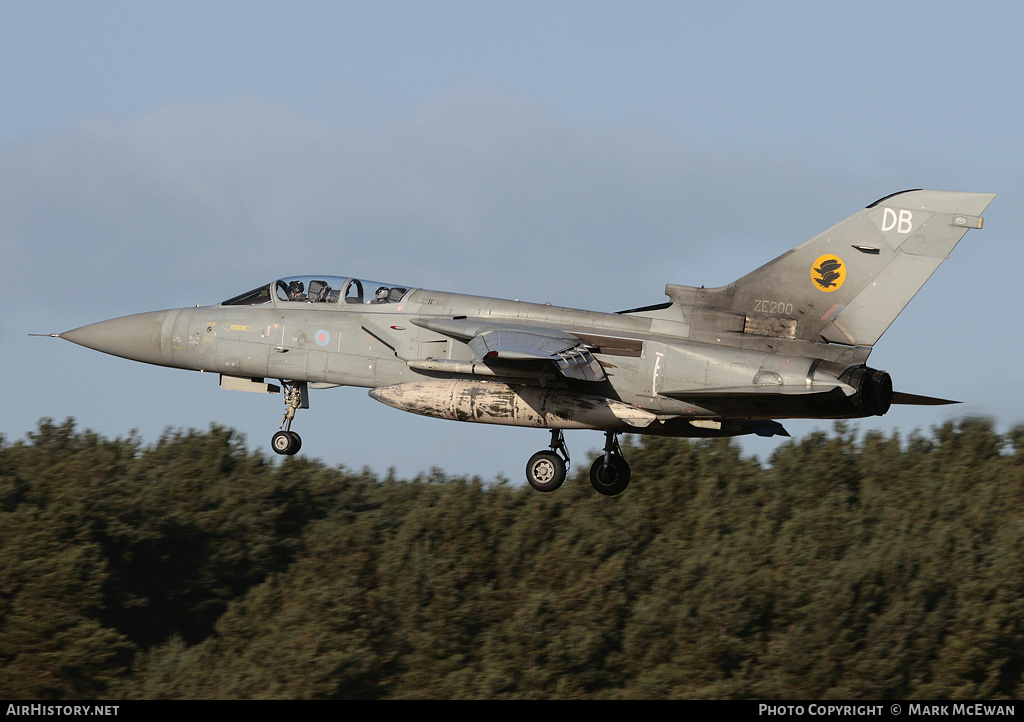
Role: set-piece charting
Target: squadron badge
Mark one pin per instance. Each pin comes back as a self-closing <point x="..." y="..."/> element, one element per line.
<point x="828" y="273"/>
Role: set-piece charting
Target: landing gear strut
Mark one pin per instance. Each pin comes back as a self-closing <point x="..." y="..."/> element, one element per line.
<point x="546" y="469"/>
<point x="296" y="396"/>
<point x="610" y="473"/>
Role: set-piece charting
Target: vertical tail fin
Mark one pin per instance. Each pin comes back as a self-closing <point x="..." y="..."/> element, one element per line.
<point x="848" y="284"/>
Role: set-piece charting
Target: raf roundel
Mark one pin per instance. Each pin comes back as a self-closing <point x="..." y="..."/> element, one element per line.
<point x="828" y="273"/>
<point x="322" y="338"/>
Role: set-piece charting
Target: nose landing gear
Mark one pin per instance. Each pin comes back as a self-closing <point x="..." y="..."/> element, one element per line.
<point x="296" y="396"/>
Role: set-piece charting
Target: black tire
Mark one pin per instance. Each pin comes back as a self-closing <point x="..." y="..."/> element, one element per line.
<point x="286" y="442"/>
<point x="612" y="478"/>
<point x="545" y="471"/>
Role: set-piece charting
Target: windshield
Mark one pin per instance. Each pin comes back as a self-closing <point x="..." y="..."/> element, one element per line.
<point x="321" y="289"/>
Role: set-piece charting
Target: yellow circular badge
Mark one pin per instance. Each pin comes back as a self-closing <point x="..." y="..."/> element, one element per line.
<point x="828" y="273"/>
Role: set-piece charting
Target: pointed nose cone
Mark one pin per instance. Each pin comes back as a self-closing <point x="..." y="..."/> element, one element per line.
<point x="142" y="337"/>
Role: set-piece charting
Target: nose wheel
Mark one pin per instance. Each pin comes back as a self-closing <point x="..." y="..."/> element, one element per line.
<point x="286" y="441"/>
<point x="545" y="471"/>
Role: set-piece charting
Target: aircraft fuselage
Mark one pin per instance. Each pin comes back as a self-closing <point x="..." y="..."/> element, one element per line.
<point x="643" y="353"/>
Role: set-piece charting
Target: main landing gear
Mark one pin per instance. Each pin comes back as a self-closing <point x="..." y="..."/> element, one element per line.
<point x="610" y="474"/>
<point x="296" y="396"/>
<point x="545" y="471"/>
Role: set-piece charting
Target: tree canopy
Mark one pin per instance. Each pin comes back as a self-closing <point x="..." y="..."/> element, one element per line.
<point x="847" y="566"/>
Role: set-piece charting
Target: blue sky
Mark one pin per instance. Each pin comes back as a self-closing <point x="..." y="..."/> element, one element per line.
<point x="159" y="155"/>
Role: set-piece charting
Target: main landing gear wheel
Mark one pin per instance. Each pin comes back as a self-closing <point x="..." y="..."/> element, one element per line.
<point x="610" y="473"/>
<point x="545" y="471"/>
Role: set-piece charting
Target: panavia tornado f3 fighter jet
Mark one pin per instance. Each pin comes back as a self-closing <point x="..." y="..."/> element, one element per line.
<point x="788" y="340"/>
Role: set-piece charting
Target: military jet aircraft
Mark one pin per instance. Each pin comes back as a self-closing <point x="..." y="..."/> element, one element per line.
<point x="788" y="340"/>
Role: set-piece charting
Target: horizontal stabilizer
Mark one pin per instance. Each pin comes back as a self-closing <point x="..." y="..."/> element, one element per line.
<point x="915" y="400"/>
<point x="767" y="390"/>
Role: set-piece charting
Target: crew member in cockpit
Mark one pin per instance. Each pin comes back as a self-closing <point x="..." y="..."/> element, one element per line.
<point x="296" y="291"/>
<point x="382" y="295"/>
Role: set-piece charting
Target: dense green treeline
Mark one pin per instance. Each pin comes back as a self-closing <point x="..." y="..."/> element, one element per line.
<point x="848" y="567"/>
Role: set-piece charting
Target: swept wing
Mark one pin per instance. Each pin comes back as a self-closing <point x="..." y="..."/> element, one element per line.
<point x="520" y="342"/>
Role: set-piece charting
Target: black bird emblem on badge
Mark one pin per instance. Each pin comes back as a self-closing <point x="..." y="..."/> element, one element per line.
<point x="828" y="272"/>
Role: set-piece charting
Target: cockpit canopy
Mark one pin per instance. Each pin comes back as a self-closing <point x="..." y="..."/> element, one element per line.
<point x="320" y="289"/>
